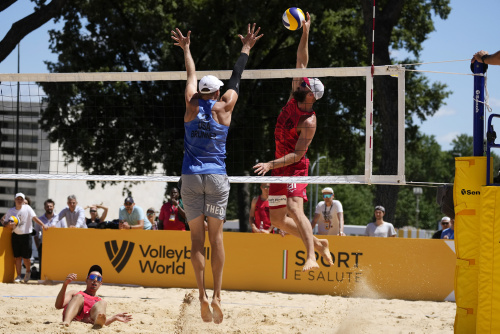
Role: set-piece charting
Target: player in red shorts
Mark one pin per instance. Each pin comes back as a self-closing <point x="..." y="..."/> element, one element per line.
<point x="294" y="132"/>
<point x="86" y="306"/>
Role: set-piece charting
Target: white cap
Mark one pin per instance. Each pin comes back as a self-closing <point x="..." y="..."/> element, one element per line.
<point x="445" y="219"/>
<point x="209" y="84"/>
<point x="20" y="195"/>
<point x="327" y="190"/>
<point x="316" y="87"/>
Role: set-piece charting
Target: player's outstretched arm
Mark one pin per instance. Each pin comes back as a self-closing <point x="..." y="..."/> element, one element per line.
<point x="302" y="51"/>
<point x="184" y="42"/>
<point x="121" y="317"/>
<point x="233" y="88"/>
<point x="484" y="57"/>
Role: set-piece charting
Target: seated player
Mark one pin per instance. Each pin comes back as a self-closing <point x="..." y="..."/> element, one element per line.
<point x="86" y="306"/>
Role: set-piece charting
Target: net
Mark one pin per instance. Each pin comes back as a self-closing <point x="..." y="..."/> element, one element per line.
<point x="129" y="126"/>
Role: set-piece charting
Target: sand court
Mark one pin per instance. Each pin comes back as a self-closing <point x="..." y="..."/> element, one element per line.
<point x="29" y="308"/>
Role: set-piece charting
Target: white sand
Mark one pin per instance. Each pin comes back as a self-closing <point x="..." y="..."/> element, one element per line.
<point x="29" y="308"/>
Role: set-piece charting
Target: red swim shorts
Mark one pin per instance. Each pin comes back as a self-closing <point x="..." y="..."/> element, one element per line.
<point x="279" y="192"/>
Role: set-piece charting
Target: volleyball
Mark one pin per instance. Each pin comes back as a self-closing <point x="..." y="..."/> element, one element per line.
<point x="292" y="18"/>
<point x="14" y="220"/>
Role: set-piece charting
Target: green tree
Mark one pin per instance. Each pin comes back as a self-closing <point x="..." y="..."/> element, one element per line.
<point x="462" y="146"/>
<point x="426" y="163"/>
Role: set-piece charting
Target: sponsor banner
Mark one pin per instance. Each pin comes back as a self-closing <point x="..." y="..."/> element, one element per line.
<point x="147" y="258"/>
<point x="7" y="267"/>
<point x="367" y="267"/>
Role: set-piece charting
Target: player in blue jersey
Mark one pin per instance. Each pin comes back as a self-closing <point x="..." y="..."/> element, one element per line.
<point x="205" y="185"/>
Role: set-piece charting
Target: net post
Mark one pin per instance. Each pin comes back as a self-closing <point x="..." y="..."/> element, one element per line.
<point x="369" y="129"/>
<point x="401" y="124"/>
<point x="478" y="111"/>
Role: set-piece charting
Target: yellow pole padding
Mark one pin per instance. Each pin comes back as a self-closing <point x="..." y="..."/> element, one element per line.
<point x="488" y="311"/>
<point x="7" y="267"/>
<point x="470" y="176"/>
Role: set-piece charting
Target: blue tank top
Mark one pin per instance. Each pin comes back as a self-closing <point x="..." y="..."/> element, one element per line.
<point x="204" y="143"/>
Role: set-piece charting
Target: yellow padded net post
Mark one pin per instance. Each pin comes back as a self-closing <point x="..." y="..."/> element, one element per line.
<point x="470" y="176"/>
<point x="488" y="308"/>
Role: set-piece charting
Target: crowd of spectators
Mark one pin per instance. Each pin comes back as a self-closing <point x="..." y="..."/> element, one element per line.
<point x="27" y="227"/>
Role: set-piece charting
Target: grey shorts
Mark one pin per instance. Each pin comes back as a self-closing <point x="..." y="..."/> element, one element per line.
<point x="205" y="194"/>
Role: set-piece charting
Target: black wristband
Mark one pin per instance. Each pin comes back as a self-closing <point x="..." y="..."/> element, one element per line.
<point x="484" y="57"/>
<point x="234" y="81"/>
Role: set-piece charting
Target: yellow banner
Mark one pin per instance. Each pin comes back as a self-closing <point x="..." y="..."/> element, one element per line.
<point x="413" y="269"/>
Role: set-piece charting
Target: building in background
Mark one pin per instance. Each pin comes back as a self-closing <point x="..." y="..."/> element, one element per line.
<point x="38" y="156"/>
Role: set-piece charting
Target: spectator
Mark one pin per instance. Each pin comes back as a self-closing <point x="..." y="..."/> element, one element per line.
<point x="329" y="215"/>
<point x="445" y="223"/>
<point x="19" y="219"/>
<point x="172" y="215"/>
<point x="74" y="214"/>
<point x="132" y="216"/>
<point x="50" y="220"/>
<point x="151" y="215"/>
<point x="259" y="212"/>
<point x="380" y="228"/>
<point x="86" y="306"/>
<point x="95" y="219"/>
<point x="449" y="233"/>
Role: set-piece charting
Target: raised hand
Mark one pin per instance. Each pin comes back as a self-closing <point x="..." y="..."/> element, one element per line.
<point x="478" y="56"/>
<point x="182" y="41"/>
<point x="307" y="23"/>
<point x="251" y="38"/>
<point x="70" y="278"/>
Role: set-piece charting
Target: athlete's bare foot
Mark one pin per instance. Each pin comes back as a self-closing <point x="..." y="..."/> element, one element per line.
<point x="324" y="250"/>
<point x="310" y="265"/>
<point x="64" y="324"/>
<point x="100" y="320"/>
<point x="218" y="316"/>
<point x="206" y="314"/>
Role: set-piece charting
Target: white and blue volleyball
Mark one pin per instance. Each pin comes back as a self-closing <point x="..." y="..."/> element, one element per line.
<point x="292" y="18"/>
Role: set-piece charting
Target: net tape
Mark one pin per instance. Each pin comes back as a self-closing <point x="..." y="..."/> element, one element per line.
<point x="181" y="75"/>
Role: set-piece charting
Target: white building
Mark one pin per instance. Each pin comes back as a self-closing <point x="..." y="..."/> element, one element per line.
<point x="38" y="156"/>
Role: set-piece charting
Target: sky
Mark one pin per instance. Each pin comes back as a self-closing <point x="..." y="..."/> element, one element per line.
<point x="470" y="27"/>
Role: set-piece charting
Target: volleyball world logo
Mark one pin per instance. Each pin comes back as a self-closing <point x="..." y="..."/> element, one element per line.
<point x="119" y="256"/>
